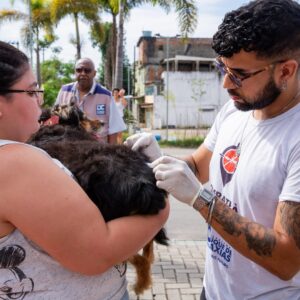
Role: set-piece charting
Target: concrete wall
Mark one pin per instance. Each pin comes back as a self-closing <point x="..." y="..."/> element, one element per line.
<point x="194" y="100"/>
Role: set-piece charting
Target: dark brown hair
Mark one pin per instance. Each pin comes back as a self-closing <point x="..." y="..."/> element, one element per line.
<point x="13" y="65"/>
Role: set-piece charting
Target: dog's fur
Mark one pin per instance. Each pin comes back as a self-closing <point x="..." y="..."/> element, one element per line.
<point x="117" y="179"/>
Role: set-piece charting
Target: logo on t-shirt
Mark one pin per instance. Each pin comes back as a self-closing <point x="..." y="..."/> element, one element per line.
<point x="220" y="250"/>
<point x="228" y="163"/>
<point x="100" y="109"/>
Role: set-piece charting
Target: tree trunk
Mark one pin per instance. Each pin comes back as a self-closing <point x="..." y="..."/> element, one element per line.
<point x="113" y="47"/>
<point x="78" y="44"/>
<point x="109" y="61"/>
<point x="120" y="45"/>
<point x="38" y="63"/>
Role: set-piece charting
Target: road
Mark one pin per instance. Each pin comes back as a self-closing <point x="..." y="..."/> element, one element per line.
<point x="184" y="222"/>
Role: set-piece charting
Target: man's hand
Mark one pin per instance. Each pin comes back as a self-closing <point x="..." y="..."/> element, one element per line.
<point x="175" y="176"/>
<point x="146" y="142"/>
<point x="121" y="92"/>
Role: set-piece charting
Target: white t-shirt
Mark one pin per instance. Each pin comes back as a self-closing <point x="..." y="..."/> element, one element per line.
<point x="268" y="171"/>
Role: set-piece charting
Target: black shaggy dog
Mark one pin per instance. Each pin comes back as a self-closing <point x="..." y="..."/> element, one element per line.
<point x="117" y="179"/>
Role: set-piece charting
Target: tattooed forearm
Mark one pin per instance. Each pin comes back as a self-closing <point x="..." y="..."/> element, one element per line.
<point x="259" y="238"/>
<point x="230" y="221"/>
<point x="290" y="219"/>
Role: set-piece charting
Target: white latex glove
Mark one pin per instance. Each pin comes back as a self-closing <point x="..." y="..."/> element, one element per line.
<point x="146" y="142"/>
<point x="175" y="176"/>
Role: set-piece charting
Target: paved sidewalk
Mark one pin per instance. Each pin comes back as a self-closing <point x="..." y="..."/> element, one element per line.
<point x="178" y="270"/>
<point x="177" y="273"/>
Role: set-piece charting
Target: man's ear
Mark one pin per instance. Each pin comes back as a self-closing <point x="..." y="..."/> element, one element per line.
<point x="288" y="69"/>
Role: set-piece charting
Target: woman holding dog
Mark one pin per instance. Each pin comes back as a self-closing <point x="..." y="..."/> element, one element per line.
<point x="54" y="243"/>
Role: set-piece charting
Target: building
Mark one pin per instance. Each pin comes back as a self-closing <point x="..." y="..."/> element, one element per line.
<point x="176" y="84"/>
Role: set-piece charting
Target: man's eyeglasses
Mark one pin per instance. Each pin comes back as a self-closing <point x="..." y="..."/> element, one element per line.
<point x="85" y="70"/>
<point x="38" y="94"/>
<point x="237" y="79"/>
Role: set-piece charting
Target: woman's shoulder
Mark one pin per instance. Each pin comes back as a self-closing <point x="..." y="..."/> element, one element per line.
<point x="8" y="142"/>
<point x="21" y="158"/>
<point x="10" y="147"/>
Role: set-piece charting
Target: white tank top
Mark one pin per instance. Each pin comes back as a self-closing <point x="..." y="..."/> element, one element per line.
<point x="120" y="107"/>
<point x="27" y="272"/>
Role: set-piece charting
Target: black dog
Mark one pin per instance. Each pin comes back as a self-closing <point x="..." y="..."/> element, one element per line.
<point x="117" y="179"/>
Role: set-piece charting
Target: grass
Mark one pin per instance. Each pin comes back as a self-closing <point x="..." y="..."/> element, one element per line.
<point x="193" y="142"/>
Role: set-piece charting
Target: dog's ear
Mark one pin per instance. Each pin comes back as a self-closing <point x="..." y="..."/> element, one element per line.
<point x="74" y="116"/>
<point x="56" y="110"/>
<point x="68" y="114"/>
<point x="45" y="115"/>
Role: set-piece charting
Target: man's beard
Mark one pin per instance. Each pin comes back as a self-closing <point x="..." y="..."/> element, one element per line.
<point x="266" y="97"/>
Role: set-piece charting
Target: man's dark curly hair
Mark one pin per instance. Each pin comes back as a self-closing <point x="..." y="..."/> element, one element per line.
<point x="271" y="28"/>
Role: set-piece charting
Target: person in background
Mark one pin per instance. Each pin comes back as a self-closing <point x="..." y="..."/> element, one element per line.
<point x="121" y="103"/>
<point x="93" y="99"/>
<point x="251" y="158"/>
<point x="54" y="242"/>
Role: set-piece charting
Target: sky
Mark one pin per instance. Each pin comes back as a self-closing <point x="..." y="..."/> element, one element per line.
<point x="144" y="18"/>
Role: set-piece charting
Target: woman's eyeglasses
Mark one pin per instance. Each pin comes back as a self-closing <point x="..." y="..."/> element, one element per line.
<point x="38" y="94"/>
<point x="237" y="79"/>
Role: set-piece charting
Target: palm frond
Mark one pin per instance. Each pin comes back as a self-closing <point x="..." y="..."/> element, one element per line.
<point x="11" y="15"/>
<point x="60" y="8"/>
<point x="187" y="16"/>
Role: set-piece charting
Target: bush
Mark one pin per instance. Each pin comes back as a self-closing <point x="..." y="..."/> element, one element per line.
<point x="186" y="143"/>
<point x="54" y="74"/>
<point x="194" y="142"/>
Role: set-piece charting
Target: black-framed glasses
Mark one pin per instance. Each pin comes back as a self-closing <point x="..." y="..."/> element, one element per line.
<point x="237" y="79"/>
<point x="38" y="94"/>
<point x="85" y="70"/>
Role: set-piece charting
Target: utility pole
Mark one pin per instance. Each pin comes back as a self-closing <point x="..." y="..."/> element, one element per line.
<point x="167" y="90"/>
<point x="30" y="33"/>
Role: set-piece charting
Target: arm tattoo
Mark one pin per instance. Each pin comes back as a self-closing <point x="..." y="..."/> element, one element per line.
<point x="259" y="239"/>
<point x="290" y="220"/>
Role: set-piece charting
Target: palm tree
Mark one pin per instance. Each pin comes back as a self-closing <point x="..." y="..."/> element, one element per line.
<point x="87" y="10"/>
<point x="107" y="43"/>
<point x="121" y="8"/>
<point x="104" y="40"/>
<point x="185" y="9"/>
<point x="114" y="57"/>
<point x="40" y="20"/>
<point x="11" y="15"/>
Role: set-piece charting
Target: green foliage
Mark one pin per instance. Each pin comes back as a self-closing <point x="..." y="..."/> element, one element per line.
<point x="129" y="118"/>
<point x="194" y="142"/>
<point x="125" y="135"/>
<point x="55" y="74"/>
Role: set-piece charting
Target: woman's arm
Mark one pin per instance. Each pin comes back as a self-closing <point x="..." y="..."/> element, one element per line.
<point x="51" y="209"/>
